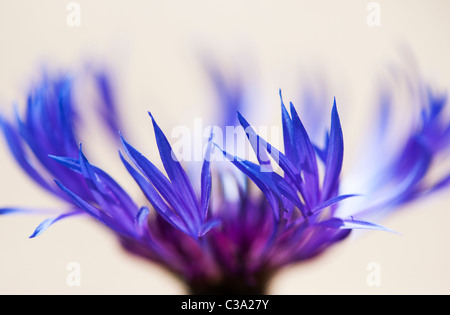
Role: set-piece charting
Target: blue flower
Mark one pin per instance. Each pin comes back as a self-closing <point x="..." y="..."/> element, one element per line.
<point x="215" y="242"/>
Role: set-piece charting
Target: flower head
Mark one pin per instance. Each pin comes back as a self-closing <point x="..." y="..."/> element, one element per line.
<point x="215" y="242"/>
<point x="209" y="245"/>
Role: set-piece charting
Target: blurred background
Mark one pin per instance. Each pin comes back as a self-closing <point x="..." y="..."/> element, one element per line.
<point x="156" y="52"/>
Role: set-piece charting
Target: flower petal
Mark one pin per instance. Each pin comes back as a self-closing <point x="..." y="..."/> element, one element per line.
<point x="332" y="201"/>
<point x="335" y="156"/>
<point x="176" y="173"/>
<point x="206" y="180"/>
<point x="306" y="158"/>
<point x="50" y="221"/>
<point x="353" y="224"/>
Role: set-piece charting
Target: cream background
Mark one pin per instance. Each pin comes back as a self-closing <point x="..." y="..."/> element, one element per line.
<point x="152" y="46"/>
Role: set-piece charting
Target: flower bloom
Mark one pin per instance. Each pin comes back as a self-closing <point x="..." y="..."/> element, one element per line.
<point x="216" y="242"/>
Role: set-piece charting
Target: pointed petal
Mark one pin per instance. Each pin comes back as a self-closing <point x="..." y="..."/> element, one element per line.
<point x="335" y="156"/>
<point x="307" y="159"/>
<point x="68" y="162"/>
<point x="50" y="221"/>
<point x="332" y="201"/>
<point x="353" y="224"/>
<point x="306" y="151"/>
<point x="5" y="211"/>
<point x="176" y="172"/>
<point x="206" y="182"/>
<point x="15" y="210"/>
<point x="290" y="148"/>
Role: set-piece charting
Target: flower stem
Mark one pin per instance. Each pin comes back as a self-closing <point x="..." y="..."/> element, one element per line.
<point x="230" y="286"/>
